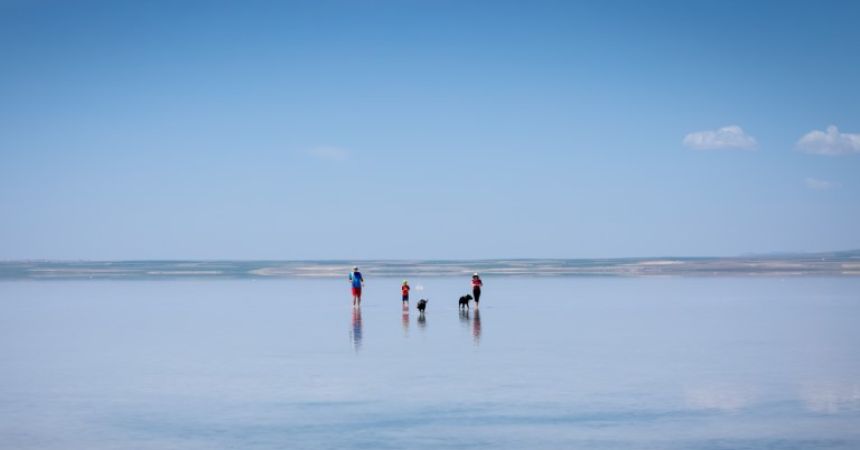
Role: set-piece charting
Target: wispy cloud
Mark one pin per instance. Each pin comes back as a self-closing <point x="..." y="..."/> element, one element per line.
<point x="818" y="185"/>
<point x="728" y="137"/>
<point x="830" y="142"/>
<point x="329" y="153"/>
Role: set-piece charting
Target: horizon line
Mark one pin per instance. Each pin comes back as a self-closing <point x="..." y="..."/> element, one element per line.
<point x="743" y="255"/>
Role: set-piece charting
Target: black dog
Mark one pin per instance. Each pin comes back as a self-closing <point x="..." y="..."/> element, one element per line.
<point x="422" y="304"/>
<point x="464" y="301"/>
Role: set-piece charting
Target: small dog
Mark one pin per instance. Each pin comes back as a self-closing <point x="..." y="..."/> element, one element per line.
<point x="464" y="301"/>
<point x="422" y="304"/>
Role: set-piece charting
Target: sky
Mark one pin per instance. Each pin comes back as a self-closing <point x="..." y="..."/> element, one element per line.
<point x="427" y="129"/>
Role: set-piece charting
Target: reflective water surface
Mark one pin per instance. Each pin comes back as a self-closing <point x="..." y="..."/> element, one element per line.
<point x="592" y="363"/>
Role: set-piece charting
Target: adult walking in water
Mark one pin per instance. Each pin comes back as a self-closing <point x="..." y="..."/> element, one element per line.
<point x="476" y="288"/>
<point x="357" y="283"/>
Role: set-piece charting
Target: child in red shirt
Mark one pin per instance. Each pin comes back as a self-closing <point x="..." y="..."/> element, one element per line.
<point x="405" y="290"/>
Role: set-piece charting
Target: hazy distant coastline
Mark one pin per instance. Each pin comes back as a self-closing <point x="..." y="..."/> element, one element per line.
<point x="844" y="263"/>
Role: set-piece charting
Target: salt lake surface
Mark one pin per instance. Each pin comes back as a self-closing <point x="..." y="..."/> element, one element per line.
<point x="554" y="362"/>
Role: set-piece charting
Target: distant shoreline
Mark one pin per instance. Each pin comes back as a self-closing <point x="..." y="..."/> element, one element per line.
<point x="846" y="263"/>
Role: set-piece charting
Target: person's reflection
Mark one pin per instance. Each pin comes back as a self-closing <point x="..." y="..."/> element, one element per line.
<point x="405" y="321"/>
<point x="476" y="327"/>
<point x="355" y="331"/>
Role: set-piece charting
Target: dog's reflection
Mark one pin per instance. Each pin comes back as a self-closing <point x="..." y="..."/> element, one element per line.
<point x="476" y="327"/>
<point x="465" y="321"/>
<point x="355" y="329"/>
<point x="473" y="322"/>
<point x="422" y="320"/>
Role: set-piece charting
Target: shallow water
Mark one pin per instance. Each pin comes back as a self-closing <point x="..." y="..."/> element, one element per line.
<point x="596" y="363"/>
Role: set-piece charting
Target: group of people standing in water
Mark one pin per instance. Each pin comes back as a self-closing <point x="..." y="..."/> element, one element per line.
<point x="357" y="282"/>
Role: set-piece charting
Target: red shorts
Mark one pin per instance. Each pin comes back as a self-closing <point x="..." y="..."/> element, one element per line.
<point x="356" y="292"/>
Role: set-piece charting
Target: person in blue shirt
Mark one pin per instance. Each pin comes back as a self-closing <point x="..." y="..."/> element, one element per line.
<point x="357" y="283"/>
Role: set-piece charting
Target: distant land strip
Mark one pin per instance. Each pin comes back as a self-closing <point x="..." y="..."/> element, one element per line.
<point x="845" y="263"/>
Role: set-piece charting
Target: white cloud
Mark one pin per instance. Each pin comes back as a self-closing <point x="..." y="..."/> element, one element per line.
<point x="830" y="142"/>
<point x="818" y="185"/>
<point x="329" y="153"/>
<point x="728" y="137"/>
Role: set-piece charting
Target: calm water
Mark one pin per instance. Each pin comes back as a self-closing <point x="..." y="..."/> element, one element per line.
<point x="592" y="363"/>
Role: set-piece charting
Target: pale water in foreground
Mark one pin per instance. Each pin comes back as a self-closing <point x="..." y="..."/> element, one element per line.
<point x="592" y="363"/>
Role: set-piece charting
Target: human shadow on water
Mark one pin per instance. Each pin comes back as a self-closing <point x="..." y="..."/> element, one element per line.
<point x="476" y="327"/>
<point x="355" y="329"/>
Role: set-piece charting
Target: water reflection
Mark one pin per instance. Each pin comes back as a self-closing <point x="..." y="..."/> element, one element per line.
<point x="465" y="321"/>
<point x="719" y="396"/>
<point x="831" y="397"/>
<point x="422" y="320"/>
<point x="355" y="329"/>
<point x="472" y="322"/>
<point x="405" y="321"/>
<point x="476" y="327"/>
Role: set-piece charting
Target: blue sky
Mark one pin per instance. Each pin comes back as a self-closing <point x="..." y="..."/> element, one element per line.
<point x="427" y="129"/>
